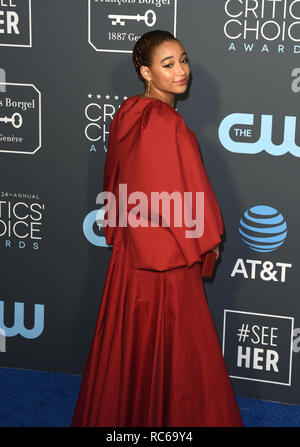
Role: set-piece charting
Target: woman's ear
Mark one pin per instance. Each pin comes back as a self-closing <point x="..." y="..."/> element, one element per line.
<point x="145" y="72"/>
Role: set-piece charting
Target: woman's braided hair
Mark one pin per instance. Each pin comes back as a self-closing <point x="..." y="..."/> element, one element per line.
<point x="144" y="47"/>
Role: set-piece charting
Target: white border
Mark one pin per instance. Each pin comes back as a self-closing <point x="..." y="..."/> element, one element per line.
<point x="265" y="315"/>
<point x="121" y="51"/>
<point x="30" y="33"/>
<point x="40" y="119"/>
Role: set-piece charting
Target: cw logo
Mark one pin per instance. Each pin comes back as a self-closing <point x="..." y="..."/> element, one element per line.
<point x="94" y="217"/>
<point x="264" y="143"/>
<point x="2" y="341"/>
<point x="18" y="326"/>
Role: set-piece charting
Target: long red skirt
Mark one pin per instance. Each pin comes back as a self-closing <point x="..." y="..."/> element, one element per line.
<point x="155" y="359"/>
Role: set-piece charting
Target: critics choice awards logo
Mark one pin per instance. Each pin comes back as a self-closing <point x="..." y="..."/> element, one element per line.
<point x="15" y="23"/>
<point x="99" y="112"/>
<point x="21" y="218"/>
<point x="115" y="25"/>
<point x="262" y="26"/>
<point x="258" y="346"/>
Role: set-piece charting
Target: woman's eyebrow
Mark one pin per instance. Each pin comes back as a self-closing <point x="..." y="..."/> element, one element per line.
<point x="170" y="57"/>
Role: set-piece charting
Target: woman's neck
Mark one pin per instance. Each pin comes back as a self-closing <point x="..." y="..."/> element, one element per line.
<point x="168" y="99"/>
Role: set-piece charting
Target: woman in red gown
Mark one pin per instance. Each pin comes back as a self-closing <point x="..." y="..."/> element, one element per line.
<point x="155" y="358"/>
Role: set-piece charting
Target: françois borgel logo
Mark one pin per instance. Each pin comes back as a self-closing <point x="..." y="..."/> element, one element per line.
<point x="115" y="25"/>
<point x="15" y="23"/>
<point x="20" y="118"/>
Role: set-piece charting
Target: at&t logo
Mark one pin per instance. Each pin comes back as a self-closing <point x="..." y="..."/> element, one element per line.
<point x="263" y="229"/>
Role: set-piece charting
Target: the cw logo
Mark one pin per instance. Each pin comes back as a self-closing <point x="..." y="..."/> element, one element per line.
<point x="91" y="218"/>
<point x="237" y="121"/>
<point x="18" y="326"/>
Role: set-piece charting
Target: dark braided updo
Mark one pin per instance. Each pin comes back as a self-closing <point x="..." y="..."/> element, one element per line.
<point x="144" y="47"/>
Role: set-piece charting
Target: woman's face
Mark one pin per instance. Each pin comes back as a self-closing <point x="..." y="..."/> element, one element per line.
<point x="169" y="66"/>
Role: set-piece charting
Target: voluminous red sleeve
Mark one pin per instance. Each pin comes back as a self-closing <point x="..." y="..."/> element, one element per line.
<point x="110" y="178"/>
<point x="166" y="158"/>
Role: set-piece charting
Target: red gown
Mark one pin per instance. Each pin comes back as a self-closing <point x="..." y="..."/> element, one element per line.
<point x="155" y="358"/>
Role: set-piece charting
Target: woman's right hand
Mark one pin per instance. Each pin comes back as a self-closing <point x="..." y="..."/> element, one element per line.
<point x="217" y="251"/>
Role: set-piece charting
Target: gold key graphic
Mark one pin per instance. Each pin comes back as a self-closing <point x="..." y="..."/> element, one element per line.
<point x="16" y="120"/>
<point x="149" y="18"/>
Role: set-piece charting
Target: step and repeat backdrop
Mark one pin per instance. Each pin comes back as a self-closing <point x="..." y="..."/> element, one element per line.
<point x="65" y="69"/>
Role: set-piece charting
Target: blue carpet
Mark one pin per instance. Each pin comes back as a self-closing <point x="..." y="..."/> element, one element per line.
<point x="44" y="399"/>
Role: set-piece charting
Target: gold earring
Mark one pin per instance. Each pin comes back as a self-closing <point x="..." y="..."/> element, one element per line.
<point x="147" y="92"/>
